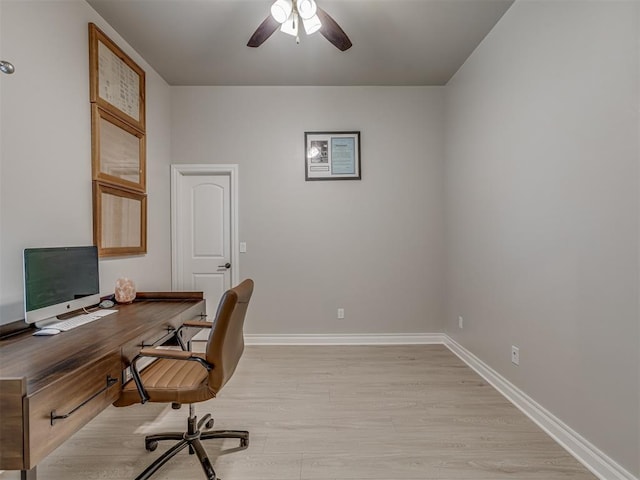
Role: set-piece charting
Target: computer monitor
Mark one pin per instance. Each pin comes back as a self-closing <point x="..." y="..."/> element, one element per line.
<point x="59" y="280"/>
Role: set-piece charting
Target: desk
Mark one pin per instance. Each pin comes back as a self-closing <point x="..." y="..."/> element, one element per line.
<point x="51" y="386"/>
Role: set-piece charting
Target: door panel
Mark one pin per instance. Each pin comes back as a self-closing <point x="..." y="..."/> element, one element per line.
<point x="203" y="237"/>
<point x="209" y="224"/>
<point x="204" y="282"/>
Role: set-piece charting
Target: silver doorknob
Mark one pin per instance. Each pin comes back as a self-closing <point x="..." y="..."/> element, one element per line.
<point x="226" y="265"/>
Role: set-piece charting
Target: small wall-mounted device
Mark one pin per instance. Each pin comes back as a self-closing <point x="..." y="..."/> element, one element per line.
<point x="6" y="67"/>
<point x="515" y="355"/>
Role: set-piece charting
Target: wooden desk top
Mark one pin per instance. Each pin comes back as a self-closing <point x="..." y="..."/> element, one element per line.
<point x="42" y="360"/>
<point x="50" y="386"/>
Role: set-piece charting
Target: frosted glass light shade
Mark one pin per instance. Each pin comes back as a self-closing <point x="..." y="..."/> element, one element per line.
<point x="312" y="24"/>
<point x="306" y="8"/>
<point x="290" y="27"/>
<point x="281" y="10"/>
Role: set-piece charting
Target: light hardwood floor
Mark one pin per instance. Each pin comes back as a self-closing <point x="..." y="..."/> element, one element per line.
<point x="334" y="413"/>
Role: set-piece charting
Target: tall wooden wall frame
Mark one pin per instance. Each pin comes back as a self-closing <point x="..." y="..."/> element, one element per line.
<point x="118" y="153"/>
<point x="117" y="83"/>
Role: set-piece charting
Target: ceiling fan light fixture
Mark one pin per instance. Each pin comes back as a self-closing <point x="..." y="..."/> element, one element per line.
<point x="306" y="8"/>
<point x="312" y="24"/>
<point x="290" y="27"/>
<point x="286" y="16"/>
<point x="281" y="10"/>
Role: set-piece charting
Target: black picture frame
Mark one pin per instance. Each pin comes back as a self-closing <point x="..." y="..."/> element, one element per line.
<point x="332" y="156"/>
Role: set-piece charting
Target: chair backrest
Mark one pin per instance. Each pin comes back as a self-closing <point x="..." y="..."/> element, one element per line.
<point x="226" y="340"/>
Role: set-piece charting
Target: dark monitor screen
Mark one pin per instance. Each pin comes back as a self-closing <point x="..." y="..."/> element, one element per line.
<point x="59" y="278"/>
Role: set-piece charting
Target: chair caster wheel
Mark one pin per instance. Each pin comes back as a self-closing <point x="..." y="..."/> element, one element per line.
<point x="209" y="424"/>
<point x="244" y="442"/>
<point x="151" y="446"/>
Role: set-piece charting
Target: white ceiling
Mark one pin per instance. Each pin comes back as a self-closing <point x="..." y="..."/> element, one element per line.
<point x="395" y="42"/>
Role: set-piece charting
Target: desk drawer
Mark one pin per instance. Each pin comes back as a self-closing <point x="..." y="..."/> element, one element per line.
<point x="75" y="399"/>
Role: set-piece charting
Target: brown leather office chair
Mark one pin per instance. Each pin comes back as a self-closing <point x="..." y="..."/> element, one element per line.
<point x="185" y="377"/>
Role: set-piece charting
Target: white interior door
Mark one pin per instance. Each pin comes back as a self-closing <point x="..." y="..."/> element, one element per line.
<point x="203" y="227"/>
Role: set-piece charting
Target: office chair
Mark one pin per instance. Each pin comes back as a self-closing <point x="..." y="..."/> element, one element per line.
<point x="181" y="376"/>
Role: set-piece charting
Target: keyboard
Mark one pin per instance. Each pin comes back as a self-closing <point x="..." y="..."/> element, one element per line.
<point x="79" y="320"/>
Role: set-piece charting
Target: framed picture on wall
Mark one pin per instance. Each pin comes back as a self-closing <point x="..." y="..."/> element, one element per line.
<point x="117" y="83"/>
<point x="118" y="151"/>
<point x="332" y="155"/>
<point x="119" y="221"/>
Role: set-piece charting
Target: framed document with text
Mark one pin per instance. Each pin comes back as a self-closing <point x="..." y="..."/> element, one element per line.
<point x="118" y="151"/>
<point x="117" y="83"/>
<point x="332" y="155"/>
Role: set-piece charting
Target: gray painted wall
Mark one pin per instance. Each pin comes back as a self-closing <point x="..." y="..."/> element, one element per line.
<point x="45" y="148"/>
<point x="541" y="134"/>
<point x="373" y="247"/>
<point x="542" y="212"/>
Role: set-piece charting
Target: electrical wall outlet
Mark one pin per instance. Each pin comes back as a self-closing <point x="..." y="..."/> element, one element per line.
<point x="515" y="355"/>
<point x="341" y="313"/>
<point x="460" y="322"/>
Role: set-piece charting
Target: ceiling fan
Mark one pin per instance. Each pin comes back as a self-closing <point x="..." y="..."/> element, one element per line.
<point x="286" y="15"/>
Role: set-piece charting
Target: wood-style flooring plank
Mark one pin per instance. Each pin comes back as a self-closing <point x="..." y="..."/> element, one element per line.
<point x="333" y="413"/>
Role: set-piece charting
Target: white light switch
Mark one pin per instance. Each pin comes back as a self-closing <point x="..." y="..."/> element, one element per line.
<point x="243" y="247"/>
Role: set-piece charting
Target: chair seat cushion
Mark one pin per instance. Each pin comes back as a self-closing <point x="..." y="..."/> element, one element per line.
<point x="168" y="381"/>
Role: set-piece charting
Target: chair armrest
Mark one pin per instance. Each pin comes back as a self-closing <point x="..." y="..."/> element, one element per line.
<point x="171" y="355"/>
<point x="166" y="353"/>
<point x="197" y="323"/>
<point x="190" y="323"/>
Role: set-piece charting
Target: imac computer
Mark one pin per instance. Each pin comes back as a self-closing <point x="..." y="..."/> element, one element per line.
<point x="59" y="280"/>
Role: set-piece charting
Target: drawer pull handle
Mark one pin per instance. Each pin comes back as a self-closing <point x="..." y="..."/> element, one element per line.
<point x="110" y="382"/>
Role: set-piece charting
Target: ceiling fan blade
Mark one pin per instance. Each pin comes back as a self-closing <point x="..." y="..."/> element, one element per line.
<point x="264" y="31"/>
<point x="332" y="31"/>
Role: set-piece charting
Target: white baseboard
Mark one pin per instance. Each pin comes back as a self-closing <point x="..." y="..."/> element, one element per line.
<point x="600" y="464"/>
<point x="347" y="339"/>
<point x="584" y="451"/>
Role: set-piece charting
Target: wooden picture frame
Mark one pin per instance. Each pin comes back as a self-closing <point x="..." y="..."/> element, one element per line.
<point x="332" y="156"/>
<point x="117" y="83"/>
<point x="118" y="151"/>
<point x="119" y="221"/>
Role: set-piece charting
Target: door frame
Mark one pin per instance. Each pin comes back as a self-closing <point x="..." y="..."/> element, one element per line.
<point x="181" y="170"/>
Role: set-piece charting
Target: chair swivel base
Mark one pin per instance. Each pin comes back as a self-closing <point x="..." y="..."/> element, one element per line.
<point x="190" y="439"/>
